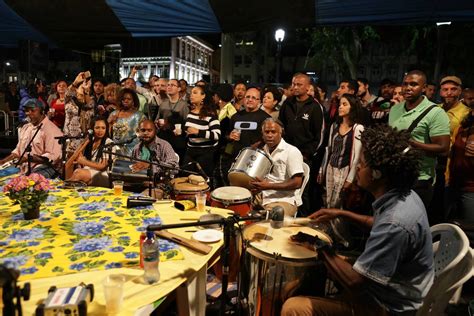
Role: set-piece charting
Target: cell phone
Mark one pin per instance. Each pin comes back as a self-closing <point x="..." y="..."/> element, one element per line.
<point x="87" y="75"/>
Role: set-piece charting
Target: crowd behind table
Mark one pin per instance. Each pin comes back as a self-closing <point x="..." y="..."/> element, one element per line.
<point x="204" y="128"/>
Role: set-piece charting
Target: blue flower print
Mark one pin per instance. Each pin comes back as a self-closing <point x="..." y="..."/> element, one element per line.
<point x="14" y="262"/>
<point x="27" y="234"/>
<point x="87" y="228"/>
<point x="77" y="266"/>
<point x="105" y="219"/>
<point x="93" y="244"/>
<point x="44" y="255"/>
<point x="93" y="206"/>
<point x="113" y="265"/>
<point x="30" y="270"/>
<point x="166" y="245"/>
<point x="124" y="237"/>
<point x="131" y="255"/>
<point x="149" y="221"/>
<point x="4" y="243"/>
<point x="116" y="249"/>
<point x="33" y="243"/>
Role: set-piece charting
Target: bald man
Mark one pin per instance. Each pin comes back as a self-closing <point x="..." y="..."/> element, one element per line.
<point x="303" y="121"/>
<point x="281" y="185"/>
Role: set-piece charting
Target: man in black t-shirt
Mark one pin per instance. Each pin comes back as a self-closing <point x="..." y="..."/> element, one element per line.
<point x="246" y="129"/>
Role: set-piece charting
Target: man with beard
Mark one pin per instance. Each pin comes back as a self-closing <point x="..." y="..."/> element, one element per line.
<point x="430" y="135"/>
<point x="381" y="106"/>
<point x="450" y="92"/>
<point x="364" y="93"/>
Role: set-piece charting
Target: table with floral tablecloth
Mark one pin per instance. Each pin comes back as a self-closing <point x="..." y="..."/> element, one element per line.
<point x="78" y="230"/>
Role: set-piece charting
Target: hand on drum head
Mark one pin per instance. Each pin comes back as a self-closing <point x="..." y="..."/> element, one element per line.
<point x="325" y="214"/>
<point x="260" y="184"/>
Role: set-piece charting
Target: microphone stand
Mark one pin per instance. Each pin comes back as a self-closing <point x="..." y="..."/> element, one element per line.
<point x="228" y="225"/>
<point x="151" y="180"/>
<point x="28" y="150"/>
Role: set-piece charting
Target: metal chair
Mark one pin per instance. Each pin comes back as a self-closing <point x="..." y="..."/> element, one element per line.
<point x="453" y="261"/>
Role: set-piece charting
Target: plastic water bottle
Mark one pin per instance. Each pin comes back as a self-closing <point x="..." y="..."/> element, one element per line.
<point x="151" y="258"/>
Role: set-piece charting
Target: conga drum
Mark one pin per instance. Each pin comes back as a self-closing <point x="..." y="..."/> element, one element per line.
<point x="249" y="164"/>
<point x="183" y="190"/>
<point x="276" y="264"/>
<point x="233" y="198"/>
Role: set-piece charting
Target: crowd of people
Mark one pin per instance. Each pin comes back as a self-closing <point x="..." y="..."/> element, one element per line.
<point x="357" y="146"/>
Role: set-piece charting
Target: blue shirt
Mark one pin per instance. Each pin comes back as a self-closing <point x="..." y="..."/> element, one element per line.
<point x="398" y="256"/>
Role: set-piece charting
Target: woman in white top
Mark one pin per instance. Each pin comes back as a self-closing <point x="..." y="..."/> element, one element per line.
<point x="93" y="161"/>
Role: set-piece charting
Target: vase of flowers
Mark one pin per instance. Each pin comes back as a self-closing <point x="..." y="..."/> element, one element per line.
<point x="29" y="191"/>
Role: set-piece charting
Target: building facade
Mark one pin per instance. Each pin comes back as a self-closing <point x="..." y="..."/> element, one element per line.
<point x="189" y="58"/>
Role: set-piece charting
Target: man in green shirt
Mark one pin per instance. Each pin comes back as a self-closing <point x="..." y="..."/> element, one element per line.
<point x="431" y="135"/>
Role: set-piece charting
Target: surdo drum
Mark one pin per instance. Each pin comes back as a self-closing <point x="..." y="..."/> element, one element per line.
<point x="249" y="164"/>
<point x="183" y="190"/>
<point x="277" y="264"/>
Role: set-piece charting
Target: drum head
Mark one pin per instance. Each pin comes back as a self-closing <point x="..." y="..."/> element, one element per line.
<point x="271" y="244"/>
<point x="240" y="179"/>
<point x="231" y="195"/>
<point x="181" y="185"/>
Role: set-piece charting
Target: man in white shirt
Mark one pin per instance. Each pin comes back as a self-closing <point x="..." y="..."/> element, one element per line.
<point x="280" y="187"/>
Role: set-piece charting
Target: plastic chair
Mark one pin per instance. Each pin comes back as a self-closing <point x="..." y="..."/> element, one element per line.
<point x="453" y="260"/>
<point x="300" y="191"/>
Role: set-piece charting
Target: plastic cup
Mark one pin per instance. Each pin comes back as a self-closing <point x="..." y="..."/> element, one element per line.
<point x="118" y="187"/>
<point x="113" y="292"/>
<point x="161" y="122"/>
<point x="237" y="131"/>
<point x="201" y="202"/>
<point x="177" y="128"/>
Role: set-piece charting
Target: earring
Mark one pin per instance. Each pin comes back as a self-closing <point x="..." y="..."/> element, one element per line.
<point x="376" y="174"/>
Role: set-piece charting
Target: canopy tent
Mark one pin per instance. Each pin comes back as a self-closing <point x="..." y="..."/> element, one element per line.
<point x="72" y="23"/>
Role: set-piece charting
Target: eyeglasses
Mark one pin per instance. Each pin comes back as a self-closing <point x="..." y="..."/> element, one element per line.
<point x="251" y="97"/>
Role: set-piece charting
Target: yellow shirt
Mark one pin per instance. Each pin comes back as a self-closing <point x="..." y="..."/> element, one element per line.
<point x="456" y="115"/>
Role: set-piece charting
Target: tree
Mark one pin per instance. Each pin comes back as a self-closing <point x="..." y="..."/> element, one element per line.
<point x="341" y="46"/>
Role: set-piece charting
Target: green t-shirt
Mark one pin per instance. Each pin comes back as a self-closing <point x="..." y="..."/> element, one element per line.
<point x="435" y="123"/>
<point x="145" y="153"/>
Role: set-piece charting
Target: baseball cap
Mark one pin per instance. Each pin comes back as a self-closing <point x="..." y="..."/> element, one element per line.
<point x="452" y="79"/>
<point x="34" y="103"/>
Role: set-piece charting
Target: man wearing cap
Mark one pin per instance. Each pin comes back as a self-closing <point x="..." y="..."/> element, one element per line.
<point x="430" y="135"/>
<point x="450" y="91"/>
<point x="45" y="150"/>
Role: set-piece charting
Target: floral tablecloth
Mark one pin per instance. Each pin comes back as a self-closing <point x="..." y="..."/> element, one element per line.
<point x="78" y="230"/>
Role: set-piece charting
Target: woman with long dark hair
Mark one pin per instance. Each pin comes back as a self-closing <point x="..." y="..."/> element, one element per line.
<point x="343" y="150"/>
<point x="202" y="128"/>
<point x="93" y="161"/>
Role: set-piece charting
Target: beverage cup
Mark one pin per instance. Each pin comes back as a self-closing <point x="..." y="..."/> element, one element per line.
<point x="161" y="122"/>
<point x="113" y="292"/>
<point x="201" y="202"/>
<point x="118" y="187"/>
<point x="237" y="131"/>
<point x="178" y="130"/>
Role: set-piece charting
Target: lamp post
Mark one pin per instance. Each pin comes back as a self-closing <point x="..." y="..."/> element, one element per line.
<point x="279" y="37"/>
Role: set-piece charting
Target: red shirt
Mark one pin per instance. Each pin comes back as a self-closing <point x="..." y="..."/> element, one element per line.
<point x="59" y="113"/>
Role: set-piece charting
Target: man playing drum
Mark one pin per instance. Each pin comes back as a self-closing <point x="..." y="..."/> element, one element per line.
<point x="395" y="272"/>
<point x="280" y="185"/>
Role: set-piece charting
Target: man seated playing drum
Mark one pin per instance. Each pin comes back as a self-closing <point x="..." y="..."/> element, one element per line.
<point x="279" y="187"/>
<point x="395" y="272"/>
<point x="45" y="150"/>
<point x="152" y="148"/>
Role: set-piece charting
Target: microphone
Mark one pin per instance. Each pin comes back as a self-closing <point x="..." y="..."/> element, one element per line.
<point x="128" y="141"/>
<point x="89" y="133"/>
<point x="198" y="166"/>
<point x="279" y="220"/>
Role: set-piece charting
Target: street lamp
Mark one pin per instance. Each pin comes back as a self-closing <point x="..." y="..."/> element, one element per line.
<point x="279" y="37"/>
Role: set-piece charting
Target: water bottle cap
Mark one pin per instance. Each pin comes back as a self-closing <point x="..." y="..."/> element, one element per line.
<point x="150" y="235"/>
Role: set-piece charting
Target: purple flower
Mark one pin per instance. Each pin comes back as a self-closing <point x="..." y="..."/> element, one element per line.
<point x="131" y="255"/>
<point x="14" y="262"/>
<point x="44" y="255"/>
<point x="116" y="249"/>
<point x="93" y="206"/>
<point x="113" y="265"/>
<point x="87" y="228"/>
<point x="77" y="266"/>
<point x="27" y="234"/>
<point x="30" y="270"/>
<point x="92" y="244"/>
